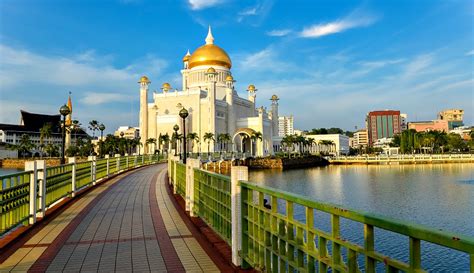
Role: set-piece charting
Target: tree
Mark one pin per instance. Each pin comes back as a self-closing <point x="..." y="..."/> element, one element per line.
<point x="455" y="143"/>
<point x="25" y="145"/>
<point x="193" y="137"/>
<point x="150" y="141"/>
<point x="93" y="125"/>
<point x="163" y="140"/>
<point x="254" y="138"/>
<point x="209" y="137"/>
<point x="52" y="150"/>
<point x="45" y="133"/>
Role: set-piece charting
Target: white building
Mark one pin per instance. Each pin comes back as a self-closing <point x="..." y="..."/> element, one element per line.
<point x="209" y="96"/>
<point x="361" y="139"/>
<point x="403" y="121"/>
<point x="339" y="144"/>
<point x="285" y="126"/>
<point x="128" y="132"/>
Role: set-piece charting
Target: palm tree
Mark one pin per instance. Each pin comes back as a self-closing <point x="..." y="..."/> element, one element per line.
<point x="193" y="137"/>
<point x="226" y="139"/>
<point x="311" y="143"/>
<point x="25" y="145"/>
<point x="255" y="137"/>
<point x="164" y="139"/>
<point x="209" y="137"/>
<point x="93" y="125"/>
<point x="45" y="133"/>
<point x="243" y="137"/>
<point x="150" y="141"/>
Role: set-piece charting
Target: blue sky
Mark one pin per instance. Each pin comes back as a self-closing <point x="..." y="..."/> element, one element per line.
<point x="330" y="62"/>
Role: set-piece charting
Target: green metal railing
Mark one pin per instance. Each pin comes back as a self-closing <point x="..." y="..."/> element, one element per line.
<point x="212" y="201"/>
<point x="276" y="242"/>
<point x="180" y="179"/>
<point x="15" y="188"/>
<point x="14" y="200"/>
<point x="58" y="183"/>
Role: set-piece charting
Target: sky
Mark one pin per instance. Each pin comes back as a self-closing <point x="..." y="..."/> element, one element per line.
<point x="330" y="62"/>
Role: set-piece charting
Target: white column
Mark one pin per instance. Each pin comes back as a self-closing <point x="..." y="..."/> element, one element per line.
<point x="174" y="177"/>
<point x="41" y="168"/>
<point x="190" y="165"/>
<point x="73" y="175"/>
<point x="108" y="165"/>
<point x="117" y="162"/>
<point x="93" y="172"/>
<point x="31" y="166"/>
<point x="237" y="173"/>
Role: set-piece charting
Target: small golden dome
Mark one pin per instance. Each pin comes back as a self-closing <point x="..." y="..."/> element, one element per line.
<point x="229" y="78"/>
<point x="251" y="88"/>
<point x="144" y="79"/>
<point x="211" y="70"/>
<point x="166" y="86"/>
<point x="274" y="97"/>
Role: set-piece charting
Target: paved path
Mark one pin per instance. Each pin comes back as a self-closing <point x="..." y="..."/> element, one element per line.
<point x="128" y="224"/>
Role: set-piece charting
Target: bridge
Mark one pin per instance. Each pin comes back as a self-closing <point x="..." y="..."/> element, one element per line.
<point x="128" y="214"/>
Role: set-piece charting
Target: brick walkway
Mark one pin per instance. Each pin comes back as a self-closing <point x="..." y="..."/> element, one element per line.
<point x="128" y="224"/>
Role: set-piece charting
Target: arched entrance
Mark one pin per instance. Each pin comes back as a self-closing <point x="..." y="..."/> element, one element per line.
<point x="243" y="142"/>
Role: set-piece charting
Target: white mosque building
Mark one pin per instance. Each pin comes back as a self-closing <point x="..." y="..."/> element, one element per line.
<point x="213" y="104"/>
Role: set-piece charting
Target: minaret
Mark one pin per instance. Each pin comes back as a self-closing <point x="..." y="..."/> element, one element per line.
<point x="185" y="71"/>
<point x="274" y="100"/>
<point x="229" y="97"/>
<point x="211" y="95"/>
<point x="252" y="96"/>
<point x="68" y="123"/>
<point x="144" y="83"/>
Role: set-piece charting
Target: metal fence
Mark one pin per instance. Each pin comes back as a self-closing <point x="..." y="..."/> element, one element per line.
<point x="181" y="179"/>
<point x="277" y="242"/>
<point x="212" y="201"/>
<point x="16" y="190"/>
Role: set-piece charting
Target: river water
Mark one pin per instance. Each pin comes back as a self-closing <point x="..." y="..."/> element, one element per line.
<point x="4" y="171"/>
<point x="440" y="196"/>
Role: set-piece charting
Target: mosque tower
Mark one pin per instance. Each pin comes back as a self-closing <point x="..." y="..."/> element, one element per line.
<point x="144" y="83"/>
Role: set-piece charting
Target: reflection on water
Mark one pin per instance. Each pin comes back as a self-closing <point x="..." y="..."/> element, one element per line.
<point x="437" y="195"/>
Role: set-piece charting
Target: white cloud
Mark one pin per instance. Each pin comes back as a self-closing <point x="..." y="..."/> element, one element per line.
<point x="96" y="98"/>
<point x="263" y="60"/>
<point x="279" y="32"/>
<point x="203" y="4"/>
<point x="249" y="11"/>
<point x="354" y="20"/>
<point x="470" y="53"/>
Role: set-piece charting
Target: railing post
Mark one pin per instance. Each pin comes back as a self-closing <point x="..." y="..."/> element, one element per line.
<point x="93" y="172"/>
<point x="108" y="165"/>
<point x="143" y="159"/>
<point x="175" y="187"/>
<point x="117" y="162"/>
<point x="237" y="174"/>
<point x="190" y="165"/>
<point x="126" y="161"/>
<point x="41" y="173"/>
<point x="31" y="166"/>
<point x="73" y="175"/>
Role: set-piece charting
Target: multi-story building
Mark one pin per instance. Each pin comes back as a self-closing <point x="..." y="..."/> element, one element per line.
<point x="382" y="124"/>
<point x="433" y="125"/>
<point x="285" y="125"/>
<point x="128" y="132"/>
<point x="454" y="117"/>
<point x="360" y="139"/>
<point x="403" y="122"/>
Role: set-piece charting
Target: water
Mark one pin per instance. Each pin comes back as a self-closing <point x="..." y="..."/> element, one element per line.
<point x="4" y="171"/>
<point x="440" y="196"/>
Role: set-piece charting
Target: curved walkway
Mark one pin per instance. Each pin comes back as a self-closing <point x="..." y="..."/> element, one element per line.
<point x="128" y="224"/>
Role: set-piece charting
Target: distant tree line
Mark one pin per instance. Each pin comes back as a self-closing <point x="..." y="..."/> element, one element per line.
<point x="328" y="131"/>
<point x="411" y="141"/>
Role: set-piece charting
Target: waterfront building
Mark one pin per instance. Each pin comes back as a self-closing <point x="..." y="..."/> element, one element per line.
<point x="463" y="131"/>
<point x="339" y="144"/>
<point x="31" y="124"/>
<point x="433" y="125"/>
<point x="209" y="95"/>
<point x="382" y="124"/>
<point x="285" y="126"/>
<point x="453" y="116"/>
<point x="360" y="139"/>
<point x="128" y="132"/>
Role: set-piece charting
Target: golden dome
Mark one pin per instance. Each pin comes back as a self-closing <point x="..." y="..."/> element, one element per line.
<point x="274" y="97"/>
<point x="186" y="57"/>
<point x="251" y="88"/>
<point x="166" y="86"/>
<point x="144" y="79"/>
<point x="211" y="70"/>
<point x="229" y="78"/>
<point x="209" y="54"/>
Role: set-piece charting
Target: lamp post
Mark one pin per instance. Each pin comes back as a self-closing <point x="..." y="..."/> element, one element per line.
<point x="121" y="141"/>
<point x="64" y="111"/>
<point x="101" y="128"/>
<point x="175" y="129"/>
<point x="184" y="114"/>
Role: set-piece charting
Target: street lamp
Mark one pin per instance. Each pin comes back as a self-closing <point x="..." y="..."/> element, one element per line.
<point x="175" y="129"/>
<point x="121" y="141"/>
<point x="101" y="128"/>
<point x="184" y="114"/>
<point x="64" y="111"/>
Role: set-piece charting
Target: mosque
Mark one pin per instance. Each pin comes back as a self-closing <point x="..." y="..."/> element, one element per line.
<point x="213" y="104"/>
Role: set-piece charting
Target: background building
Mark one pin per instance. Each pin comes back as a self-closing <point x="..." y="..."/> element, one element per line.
<point x="339" y="146"/>
<point x="285" y="126"/>
<point x="433" y="125"/>
<point x="403" y="122"/>
<point x="360" y="139"/>
<point x="454" y="117"/>
<point x="128" y="132"/>
<point x="382" y="124"/>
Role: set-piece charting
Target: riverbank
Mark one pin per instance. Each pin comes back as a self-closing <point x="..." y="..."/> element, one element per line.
<point x="286" y="163"/>
<point x="403" y="159"/>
